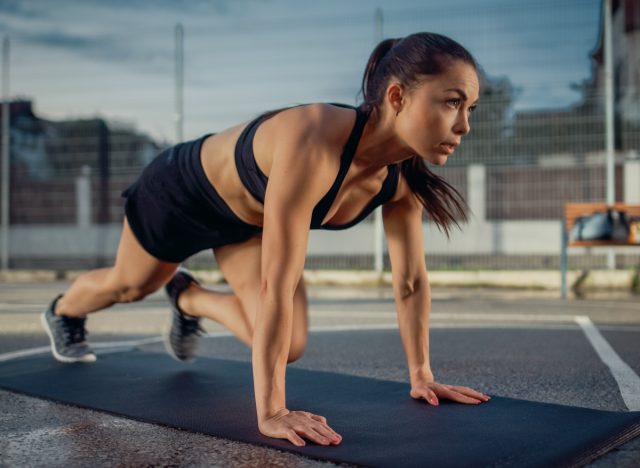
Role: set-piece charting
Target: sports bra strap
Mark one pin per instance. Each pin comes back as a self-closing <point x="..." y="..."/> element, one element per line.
<point x="250" y="174"/>
<point x="323" y="206"/>
<point x="256" y="181"/>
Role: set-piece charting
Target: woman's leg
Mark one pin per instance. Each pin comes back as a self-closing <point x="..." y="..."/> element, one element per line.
<point x="240" y="265"/>
<point x="134" y="275"/>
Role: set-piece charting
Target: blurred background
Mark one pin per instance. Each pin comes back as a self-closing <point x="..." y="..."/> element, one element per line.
<point x="93" y="90"/>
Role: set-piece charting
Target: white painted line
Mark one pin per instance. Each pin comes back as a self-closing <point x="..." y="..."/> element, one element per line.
<point x="330" y="328"/>
<point x="504" y="317"/>
<point x="24" y="353"/>
<point x="628" y="381"/>
<point x="157" y="339"/>
<point x="111" y="344"/>
<point x="448" y="326"/>
<point x="503" y="326"/>
<point x="319" y="329"/>
<point x="101" y="345"/>
<point x="460" y="316"/>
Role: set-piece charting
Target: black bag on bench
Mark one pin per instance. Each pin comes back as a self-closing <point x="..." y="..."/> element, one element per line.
<point x="600" y="225"/>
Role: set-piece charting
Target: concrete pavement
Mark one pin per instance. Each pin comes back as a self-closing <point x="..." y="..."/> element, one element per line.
<point x="517" y="343"/>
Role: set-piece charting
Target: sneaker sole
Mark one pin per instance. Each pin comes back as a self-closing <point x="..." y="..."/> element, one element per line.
<point x="167" y="345"/>
<point x="59" y="357"/>
<point x="167" y="329"/>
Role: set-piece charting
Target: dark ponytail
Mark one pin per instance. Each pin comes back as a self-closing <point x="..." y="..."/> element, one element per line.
<point x="443" y="202"/>
<point x="369" y="86"/>
<point x="405" y="59"/>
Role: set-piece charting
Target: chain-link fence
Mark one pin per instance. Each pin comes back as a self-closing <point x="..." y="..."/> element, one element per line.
<point x="517" y="169"/>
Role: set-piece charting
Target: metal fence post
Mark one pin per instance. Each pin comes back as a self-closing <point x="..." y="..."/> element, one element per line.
<point x="83" y="197"/>
<point x="378" y="230"/>
<point x="563" y="260"/>
<point x="6" y="149"/>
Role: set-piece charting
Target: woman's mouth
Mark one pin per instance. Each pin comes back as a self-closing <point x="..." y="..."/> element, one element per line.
<point x="448" y="148"/>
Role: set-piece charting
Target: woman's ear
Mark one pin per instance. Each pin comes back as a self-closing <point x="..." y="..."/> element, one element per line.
<point x="395" y="96"/>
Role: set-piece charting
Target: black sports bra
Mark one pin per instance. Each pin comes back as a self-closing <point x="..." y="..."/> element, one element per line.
<point x="256" y="182"/>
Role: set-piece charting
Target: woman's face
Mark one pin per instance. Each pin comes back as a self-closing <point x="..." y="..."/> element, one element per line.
<point x="434" y="115"/>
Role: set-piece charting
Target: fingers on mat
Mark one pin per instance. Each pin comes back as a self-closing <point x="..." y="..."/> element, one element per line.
<point x="294" y="438"/>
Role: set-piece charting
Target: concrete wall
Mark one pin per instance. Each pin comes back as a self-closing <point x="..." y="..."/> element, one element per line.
<point x="505" y="238"/>
<point x="52" y="240"/>
<point x="477" y="237"/>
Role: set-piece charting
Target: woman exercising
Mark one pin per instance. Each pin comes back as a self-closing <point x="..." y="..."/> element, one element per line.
<point x="252" y="193"/>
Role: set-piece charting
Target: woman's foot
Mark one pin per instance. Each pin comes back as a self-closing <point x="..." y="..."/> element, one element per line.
<point x="67" y="336"/>
<point x="182" y="335"/>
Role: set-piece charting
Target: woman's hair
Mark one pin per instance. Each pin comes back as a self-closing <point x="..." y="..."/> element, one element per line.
<point x="405" y="59"/>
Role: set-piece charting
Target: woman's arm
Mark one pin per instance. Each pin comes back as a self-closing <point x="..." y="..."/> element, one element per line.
<point x="402" y="220"/>
<point x="299" y="176"/>
<point x="403" y="229"/>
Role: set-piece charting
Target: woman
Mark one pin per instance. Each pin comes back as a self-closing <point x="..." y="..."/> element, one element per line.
<point x="213" y="193"/>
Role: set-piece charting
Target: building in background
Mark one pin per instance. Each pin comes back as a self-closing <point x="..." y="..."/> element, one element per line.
<point x="626" y="72"/>
<point x="47" y="156"/>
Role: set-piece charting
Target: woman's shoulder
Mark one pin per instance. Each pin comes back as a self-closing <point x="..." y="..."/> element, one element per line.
<point x="301" y="148"/>
<point x="326" y="123"/>
<point x="312" y="134"/>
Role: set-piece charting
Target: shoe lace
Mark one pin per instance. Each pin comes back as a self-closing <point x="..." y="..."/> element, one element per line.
<point x="74" y="331"/>
<point x="190" y="326"/>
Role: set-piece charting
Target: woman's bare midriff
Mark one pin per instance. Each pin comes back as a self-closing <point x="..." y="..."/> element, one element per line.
<point x="218" y="159"/>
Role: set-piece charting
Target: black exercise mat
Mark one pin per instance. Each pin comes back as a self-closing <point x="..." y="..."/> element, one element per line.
<point x="380" y="423"/>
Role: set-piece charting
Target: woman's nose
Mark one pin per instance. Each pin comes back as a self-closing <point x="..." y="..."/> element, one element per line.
<point x="462" y="126"/>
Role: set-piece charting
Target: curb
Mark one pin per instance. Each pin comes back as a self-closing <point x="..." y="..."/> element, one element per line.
<point x="580" y="281"/>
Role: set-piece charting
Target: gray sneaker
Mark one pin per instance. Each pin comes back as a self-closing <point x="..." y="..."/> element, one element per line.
<point x="183" y="333"/>
<point x="67" y="335"/>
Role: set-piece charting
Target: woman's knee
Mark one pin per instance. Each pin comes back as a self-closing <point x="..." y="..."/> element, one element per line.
<point x="298" y="343"/>
<point x="125" y="292"/>
<point x="300" y="329"/>
<point x="296" y="350"/>
<point x="134" y="285"/>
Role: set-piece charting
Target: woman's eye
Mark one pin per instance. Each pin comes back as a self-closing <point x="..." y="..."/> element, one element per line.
<point x="454" y="102"/>
<point x="472" y="109"/>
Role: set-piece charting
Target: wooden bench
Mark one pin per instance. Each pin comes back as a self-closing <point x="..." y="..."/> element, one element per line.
<point x="572" y="211"/>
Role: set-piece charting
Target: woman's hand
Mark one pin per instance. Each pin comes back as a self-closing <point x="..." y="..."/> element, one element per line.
<point x="291" y="425"/>
<point x="431" y="390"/>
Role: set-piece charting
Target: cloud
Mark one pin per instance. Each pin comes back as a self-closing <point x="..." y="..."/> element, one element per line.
<point x="220" y="7"/>
<point x="105" y="47"/>
<point x="46" y="8"/>
<point x="20" y="8"/>
<point x="102" y="47"/>
<point x="116" y="31"/>
<point x="116" y="56"/>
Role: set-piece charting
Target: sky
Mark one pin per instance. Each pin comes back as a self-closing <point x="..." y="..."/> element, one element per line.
<point x="115" y="58"/>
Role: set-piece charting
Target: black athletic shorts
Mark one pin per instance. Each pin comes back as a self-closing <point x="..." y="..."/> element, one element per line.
<point x="175" y="212"/>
